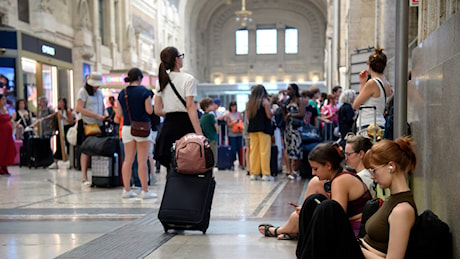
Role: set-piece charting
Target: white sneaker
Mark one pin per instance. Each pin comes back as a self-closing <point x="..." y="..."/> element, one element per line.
<point x="293" y="176"/>
<point x="148" y="195"/>
<point x="128" y="194"/>
<point x="86" y="183"/>
<point x="253" y="177"/>
<point x="267" y="178"/>
<point x="53" y="166"/>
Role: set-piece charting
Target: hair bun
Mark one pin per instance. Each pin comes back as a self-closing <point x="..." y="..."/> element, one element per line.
<point x="127" y="79"/>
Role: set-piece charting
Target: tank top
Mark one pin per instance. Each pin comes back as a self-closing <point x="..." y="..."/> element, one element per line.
<point x="378" y="228"/>
<point x="367" y="115"/>
<point x="260" y="122"/>
<point x="355" y="207"/>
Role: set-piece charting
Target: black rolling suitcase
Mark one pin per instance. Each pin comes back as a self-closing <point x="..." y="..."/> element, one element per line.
<point x="39" y="152"/>
<point x="187" y="200"/>
<point x="105" y="171"/>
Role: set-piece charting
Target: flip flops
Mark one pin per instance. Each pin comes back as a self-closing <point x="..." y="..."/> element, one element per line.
<point x="267" y="232"/>
<point x="286" y="236"/>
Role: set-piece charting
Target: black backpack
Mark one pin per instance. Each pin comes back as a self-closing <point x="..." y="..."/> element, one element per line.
<point x="430" y="238"/>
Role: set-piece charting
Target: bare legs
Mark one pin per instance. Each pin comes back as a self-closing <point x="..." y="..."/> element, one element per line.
<point x="142" y="155"/>
<point x="291" y="227"/>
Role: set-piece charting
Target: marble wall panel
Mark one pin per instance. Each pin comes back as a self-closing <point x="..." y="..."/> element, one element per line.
<point x="436" y="126"/>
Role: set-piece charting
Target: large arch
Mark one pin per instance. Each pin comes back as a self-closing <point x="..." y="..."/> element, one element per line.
<point x="209" y="39"/>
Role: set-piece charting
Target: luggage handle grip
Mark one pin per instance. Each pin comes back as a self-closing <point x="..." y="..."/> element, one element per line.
<point x="366" y="107"/>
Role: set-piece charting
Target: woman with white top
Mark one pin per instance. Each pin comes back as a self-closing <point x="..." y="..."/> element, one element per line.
<point x="373" y="92"/>
<point x="179" y="108"/>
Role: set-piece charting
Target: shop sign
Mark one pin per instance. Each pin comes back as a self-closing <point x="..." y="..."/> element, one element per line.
<point x="38" y="46"/>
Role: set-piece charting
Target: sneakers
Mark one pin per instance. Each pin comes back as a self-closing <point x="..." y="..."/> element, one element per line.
<point x="54" y="166"/>
<point x="148" y="195"/>
<point x="293" y="176"/>
<point x="128" y="194"/>
<point x="253" y="177"/>
<point x="267" y="178"/>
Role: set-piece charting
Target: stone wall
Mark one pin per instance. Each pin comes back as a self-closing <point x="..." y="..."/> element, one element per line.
<point x="433" y="112"/>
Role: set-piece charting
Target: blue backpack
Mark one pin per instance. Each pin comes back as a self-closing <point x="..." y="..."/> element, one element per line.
<point x="430" y="238"/>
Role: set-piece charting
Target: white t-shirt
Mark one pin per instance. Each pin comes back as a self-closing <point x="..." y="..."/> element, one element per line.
<point x="185" y="84"/>
<point x="365" y="176"/>
<point x="94" y="103"/>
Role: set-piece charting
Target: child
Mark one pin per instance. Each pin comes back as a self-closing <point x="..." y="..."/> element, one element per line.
<point x="209" y="124"/>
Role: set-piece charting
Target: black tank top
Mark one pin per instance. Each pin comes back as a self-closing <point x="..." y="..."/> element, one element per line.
<point x="260" y="122"/>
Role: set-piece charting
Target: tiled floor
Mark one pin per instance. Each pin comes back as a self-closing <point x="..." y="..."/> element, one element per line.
<point x="47" y="214"/>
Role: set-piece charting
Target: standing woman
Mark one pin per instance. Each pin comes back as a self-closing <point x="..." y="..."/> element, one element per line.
<point x="8" y="148"/>
<point x="346" y="114"/>
<point x="294" y="113"/>
<point x="235" y="139"/>
<point x="137" y="105"/>
<point x="90" y="104"/>
<point x="21" y="118"/>
<point x="373" y="92"/>
<point x="260" y="130"/>
<point x="67" y="120"/>
<point x="179" y="109"/>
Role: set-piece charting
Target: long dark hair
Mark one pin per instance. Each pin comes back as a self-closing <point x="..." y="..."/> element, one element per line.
<point x="89" y="89"/>
<point x="258" y="93"/>
<point x="21" y="100"/>
<point x="328" y="152"/>
<point x="168" y="61"/>
<point x="64" y="100"/>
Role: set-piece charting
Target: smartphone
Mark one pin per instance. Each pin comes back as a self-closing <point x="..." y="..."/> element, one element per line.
<point x="293" y="204"/>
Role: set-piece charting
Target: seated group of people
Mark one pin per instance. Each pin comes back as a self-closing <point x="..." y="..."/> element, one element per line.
<point x="335" y="198"/>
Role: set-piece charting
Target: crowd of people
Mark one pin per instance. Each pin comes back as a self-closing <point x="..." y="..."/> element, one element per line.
<point x="346" y="170"/>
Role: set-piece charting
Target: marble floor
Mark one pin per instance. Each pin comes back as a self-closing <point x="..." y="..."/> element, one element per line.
<point x="48" y="214"/>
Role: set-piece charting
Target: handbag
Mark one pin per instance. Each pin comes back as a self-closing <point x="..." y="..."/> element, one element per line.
<point x="72" y="134"/>
<point x="310" y="134"/>
<point x="238" y="127"/>
<point x="138" y="128"/>
<point x="296" y="122"/>
<point x="100" y="146"/>
<point x="92" y="129"/>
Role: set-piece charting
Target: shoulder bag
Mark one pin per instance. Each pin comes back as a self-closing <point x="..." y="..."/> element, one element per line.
<point x="138" y="128"/>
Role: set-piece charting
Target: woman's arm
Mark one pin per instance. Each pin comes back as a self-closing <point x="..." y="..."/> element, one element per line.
<point x="191" y="110"/>
<point x="158" y="106"/>
<point x="268" y="112"/>
<point x="401" y="220"/>
<point x="118" y="109"/>
<point x="339" y="190"/>
<point x="148" y="105"/>
<point x="82" y="110"/>
<point x="70" y="118"/>
<point x="365" y="93"/>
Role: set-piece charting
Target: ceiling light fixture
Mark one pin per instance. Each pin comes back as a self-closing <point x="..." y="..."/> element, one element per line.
<point x="243" y="15"/>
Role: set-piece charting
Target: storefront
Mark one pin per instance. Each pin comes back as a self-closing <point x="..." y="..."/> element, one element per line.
<point x="34" y="68"/>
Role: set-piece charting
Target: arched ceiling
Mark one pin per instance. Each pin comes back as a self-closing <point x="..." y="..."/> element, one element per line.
<point x="203" y="19"/>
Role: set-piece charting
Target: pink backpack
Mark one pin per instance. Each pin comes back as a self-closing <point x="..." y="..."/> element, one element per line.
<point x="192" y="154"/>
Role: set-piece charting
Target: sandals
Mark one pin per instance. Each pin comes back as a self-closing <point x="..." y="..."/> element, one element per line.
<point x="267" y="232"/>
<point x="286" y="236"/>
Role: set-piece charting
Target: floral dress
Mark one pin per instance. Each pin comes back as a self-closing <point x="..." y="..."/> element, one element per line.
<point x="292" y="135"/>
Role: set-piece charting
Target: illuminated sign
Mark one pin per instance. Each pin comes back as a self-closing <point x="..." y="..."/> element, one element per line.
<point x="118" y="80"/>
<point x="48" y="50"/>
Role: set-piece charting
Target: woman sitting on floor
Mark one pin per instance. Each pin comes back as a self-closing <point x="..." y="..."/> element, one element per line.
<point x="290" y="230"/>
